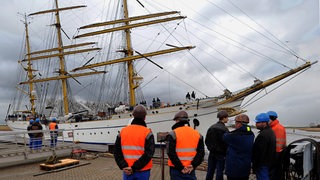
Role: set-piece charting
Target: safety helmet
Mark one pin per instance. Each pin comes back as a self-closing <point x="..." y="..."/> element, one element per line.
<point x="272" y="113"/>
<point x="243" y="118"/>
<point x="222" y="114"/>
<point x="31" y="121"/>
<point x="37" y="120"/>
<point x="54" y="119"/>
<point x="262" y="117"/>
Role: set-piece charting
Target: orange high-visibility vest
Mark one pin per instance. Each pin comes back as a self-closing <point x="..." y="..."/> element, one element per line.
<point x="52" y="126"/>
<point x="186" y="144"/>
<point x="133" y="139"/>
<point x="280" y="132"/>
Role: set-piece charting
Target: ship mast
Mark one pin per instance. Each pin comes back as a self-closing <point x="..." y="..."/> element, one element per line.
<point x="129" y="57"/>
<point x="62" y="63"/>
<point x="63" y="74"/>
<point x="129" y="53"/>
<point x="29" y="69"/>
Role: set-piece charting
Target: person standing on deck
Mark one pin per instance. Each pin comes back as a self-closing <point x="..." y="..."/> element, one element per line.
<point x="185" y="148"/>
<point x="134" y="147"/>
<point x="281" y="142"/>
<point x="188" y="96"/>
<point x="264" y="148"/>
<point x="193" y="95"/>
<point x="217" y="147"/>
<point x="53" y="127"/>
<point x="239" y="152"/>
<point x="31" y="136"/>
<point x="37" y="142"/>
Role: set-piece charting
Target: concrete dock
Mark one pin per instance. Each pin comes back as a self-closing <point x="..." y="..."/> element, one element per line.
<point x="19" y="162"/>
<point x="95" y="168"/>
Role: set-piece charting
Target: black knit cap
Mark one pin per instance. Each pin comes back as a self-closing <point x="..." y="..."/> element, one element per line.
<point x="222" y="114"/>
<point x="181" y="115"/>
<point x="139" y="112"/>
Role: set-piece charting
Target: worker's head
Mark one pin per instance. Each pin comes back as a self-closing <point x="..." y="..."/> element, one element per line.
<point x="272" y="115"/>
<point x="37" y="120"/>
<point x="262" y="120"/>
<point x="54" y="119"/>
<point x="223" y="116"/>
<point x="31" y="121"/>
<point x="139" y="112"/>
<point x="181" y="116"/>
<point x="241" y="119"/>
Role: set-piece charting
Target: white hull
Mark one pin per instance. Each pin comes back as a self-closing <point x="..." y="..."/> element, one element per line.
<point x="159" y="120"/>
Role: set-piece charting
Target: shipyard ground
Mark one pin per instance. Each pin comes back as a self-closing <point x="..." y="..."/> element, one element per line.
<point x="99" y="167"/>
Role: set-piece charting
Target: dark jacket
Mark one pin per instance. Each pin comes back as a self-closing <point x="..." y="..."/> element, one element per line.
<point x="37" y="126"/>
<point x="171" y="150"/>
<point x="149" y="148"/>
<point x="29" y="129"/>
<point x="239" y="152"/>
<point x="214" y="140"/>
<point x="264" y="149"/>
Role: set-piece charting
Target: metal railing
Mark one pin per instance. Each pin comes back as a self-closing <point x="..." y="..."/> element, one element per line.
<point x="17" y="146"/>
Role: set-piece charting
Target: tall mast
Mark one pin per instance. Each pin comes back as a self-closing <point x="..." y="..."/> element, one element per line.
<point x="63" y="74"/>
<point x="62" y="63"/>
<point x="129" y="53"/>
<point x="29" y="68"/>
<point x="128" y="23"/>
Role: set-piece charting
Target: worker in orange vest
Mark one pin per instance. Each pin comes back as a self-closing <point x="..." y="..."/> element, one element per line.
<point x="134" y="147"/>
<point x="53" y="127"/>
<point x="185" y="148"/>
<point x="281" y="143"/>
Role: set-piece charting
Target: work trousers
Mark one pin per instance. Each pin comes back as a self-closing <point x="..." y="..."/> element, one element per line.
<point x="215" y="162"/>
<point x="178" y="175"/>
<point x="262" y="173"/>
<point x="138" y="175"/>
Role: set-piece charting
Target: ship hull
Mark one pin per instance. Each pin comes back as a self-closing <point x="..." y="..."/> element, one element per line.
<point x="158" y="120"/>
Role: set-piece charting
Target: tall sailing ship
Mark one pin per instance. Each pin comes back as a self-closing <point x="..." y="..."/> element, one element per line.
<point x="50" y="90"/>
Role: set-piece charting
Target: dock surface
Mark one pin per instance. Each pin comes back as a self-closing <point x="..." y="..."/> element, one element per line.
<point x="98" y="168"/>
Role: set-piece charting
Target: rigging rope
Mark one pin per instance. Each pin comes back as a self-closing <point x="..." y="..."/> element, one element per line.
<point x="283" y="44"/>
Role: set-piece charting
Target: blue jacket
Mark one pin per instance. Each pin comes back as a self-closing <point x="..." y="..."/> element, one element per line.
<point x="239" y="152"/>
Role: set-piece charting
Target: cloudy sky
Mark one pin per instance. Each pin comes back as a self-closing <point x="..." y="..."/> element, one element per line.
<point x="230" y="37"/>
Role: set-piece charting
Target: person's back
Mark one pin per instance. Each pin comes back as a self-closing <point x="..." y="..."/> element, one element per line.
<point x="134" y="147"/>
<point x="185" y="148"/>
<point x="37" y="136"/>
<point x="281" y="142"/>
<point x="53" y="127"/>
<point x="216" y="146"/>
<point x="214" y="139"/>
<point x="29" y="128"/>
<point x="279" y="131"/>
<point x="31" y="135"/>
<point x="264" y="148"/>
<point x="239" y="153"/>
